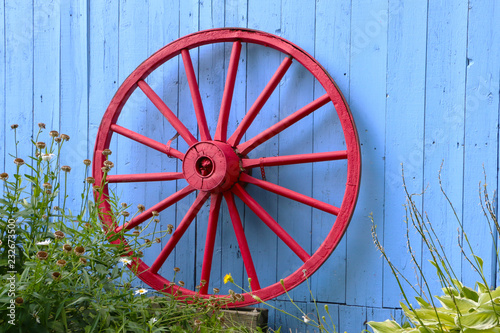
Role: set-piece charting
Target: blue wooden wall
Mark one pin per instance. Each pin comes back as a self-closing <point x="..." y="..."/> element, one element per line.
<point x="421" y="77"/>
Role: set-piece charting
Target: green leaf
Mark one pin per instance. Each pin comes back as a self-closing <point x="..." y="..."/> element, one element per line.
<point x="479" y="261"/>
<point x="388" y="326"/>
<point x="454" y="303"/>
<point x="479" y="320"/>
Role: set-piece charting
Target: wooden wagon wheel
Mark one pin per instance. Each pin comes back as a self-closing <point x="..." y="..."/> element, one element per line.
<point x="217" y="166"/>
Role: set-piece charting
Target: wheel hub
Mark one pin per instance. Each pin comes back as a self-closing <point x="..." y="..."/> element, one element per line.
<point x="211" y="166"/>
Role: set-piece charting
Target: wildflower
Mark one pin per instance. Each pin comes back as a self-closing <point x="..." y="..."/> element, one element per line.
<point x="19" y="300"/>
<point x="87" y="162"/>
<point x="228" y="278"/>
<point x="170" y="228"/>
<point x="216" y="290"/>
<point x="53" y="133"/>
<point x="105" y="169"/>
<point x="157" y="240"/>
<point x="42" y="255"/>
<point x="40" y="145"/>
<point x="153" y="320"/>
<point x="147" y="241"/>
<point x="306" y="319"/>
<point x="65" y="137"/>
<point x="90" y="180"/>
<point x="106" y="152"/>
<point x="19" y="161"/>
<point x="66" y="168"/>
<point x="67" y="248"/>
<point x="257" y="298"/>
<point x="45" y="242"/>
<point x="125" y="213"/>
<point x="61" y="263"/>
<point x="136" y="233"/>
<point x="47" y="185"/>
<point x="56" y="275"/>
<point x="79" y="250"/>
<point x="82" y="260"/>
<point x="59" y="234"/>
<point x="14" y="126"/>
<point x="197" y="322"/>
<point x="177" y="269"/>
<point x="4" y="176"/>
<point x="58" y="140"/>
<point x="181" y="283"/>
<point x="154" y="213"/>
<point x="141" y="208"/>
<point x="47" y="157"/>
<point x="48" y="191"/>
<point x="125" y="261"/>
<point x="141" y="291"/>
<point x="124" y="204"/>
<point x="109" y="164"/>
<point x="56" y="208"/>
<point x="41" y="125"/>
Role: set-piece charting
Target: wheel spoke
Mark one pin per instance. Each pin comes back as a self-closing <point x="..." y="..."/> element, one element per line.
<point x="270" y="222"/>
<point x="144" y="177"/>
<point x="195" y="95"/>
<point x="162" y="205"/>
<point x="242" y="241"/>
<point x="147" y="141"/>
<point x="221" y="131"/>
<point x="247" y="146"/>
<point x="165" y="110"/>
<point x="213" y="217"/>
<point x="287" y="193"/>
<point x="259" y="102"/>
<point x="179" y="231"/>
<point x="294" y="159"/>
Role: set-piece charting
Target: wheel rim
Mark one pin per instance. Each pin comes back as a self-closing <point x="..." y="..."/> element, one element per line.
<point x="218" y="168"/>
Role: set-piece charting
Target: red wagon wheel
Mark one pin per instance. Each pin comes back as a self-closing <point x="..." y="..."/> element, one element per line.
<point x="217" y="167"/>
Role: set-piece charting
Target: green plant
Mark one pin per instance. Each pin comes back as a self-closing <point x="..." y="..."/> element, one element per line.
<point x="58" y="271"/>
<point x="462" y="309"/>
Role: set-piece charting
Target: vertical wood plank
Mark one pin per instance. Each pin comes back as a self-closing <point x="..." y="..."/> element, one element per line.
<point x="74" y="95"/>
<point x="46" y="71"/>
<point x="481" y="131"/>
<point x="404" y="136"/>
<point x="296" y="90"/>
<point x="352" y="318"/>
<point x="327" y="313"/>
<point x="235" y="16"/>
<point x="368" y="103"/>
<point x="18" y="80"/>
<point x="378" y="314"/>
<point x="332" y="40"/>
<point x="261" y="64"/>
<point x="185" y="250"/>
<point x="444" y="125"/>
<point x="163" y="29"/>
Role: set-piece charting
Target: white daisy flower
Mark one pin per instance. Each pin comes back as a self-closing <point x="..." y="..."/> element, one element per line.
<point x="141" y="291"/>
<point x="47" y="157"/>
<point x="153" y="320"/>
<point x="125" y="261"/>
<point x="45" y="242"/>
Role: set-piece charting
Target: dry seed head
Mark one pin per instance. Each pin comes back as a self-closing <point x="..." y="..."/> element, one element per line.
<point x="87" y="162"/>
<point x="42" y="255"/>
<point x="106" y="152"/>
<point x="109" y="164"/>
<point x="90" y="180"/>
<point x="156" y="221"/>
<point x="105" y="169"/>
<point x="181" y="283"/>
<point x="79" y="250"/>
<point x="67" y="248"/>
<point x="47" y="185"/>
<point x="58" y="140"/>
<point x="53" y="133"/>
<point x="56" y="275"/>
<point x="4" y="176"/>
<point x="124" y="205"/>
<point x="48" y="191"/>
<point x="140" y="254"/>
<point x="147" y="241"/>
<point x="66" y="168"/>
<point x="197" y="322"/>
<point x="216" y="290"/>
<point x="56" y="208"/>
<point x="19" y="161"/>
<point x="61" y="263"/>
<point x="157" y="240"/>
<point x="59" y="234"/>
<point x="136" y="233"/>
<point x="82" y="260"/>
<point x="170" y="228"/>
<point x="44" y="217"/>
<point x="19" y="300"/>
<point x="65" y="137"/>
<point x="41" y="125"/>
<point x="137" y="228"/>
<point x="154" y="213"/>
<point x="177" y="269"/>
<point x="40" y="145"/>
<point x="14" y="126"/>
<point x="37" y="155"/>
<point x="125" y="213"/>
<point x="203" y="282"/>
<point x="141" y="207"/>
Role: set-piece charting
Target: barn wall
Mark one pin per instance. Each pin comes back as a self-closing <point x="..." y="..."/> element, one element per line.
<point x="421" y="78"/>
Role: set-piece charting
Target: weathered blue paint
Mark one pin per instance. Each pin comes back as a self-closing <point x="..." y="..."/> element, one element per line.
<point x="422" y="80"/>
